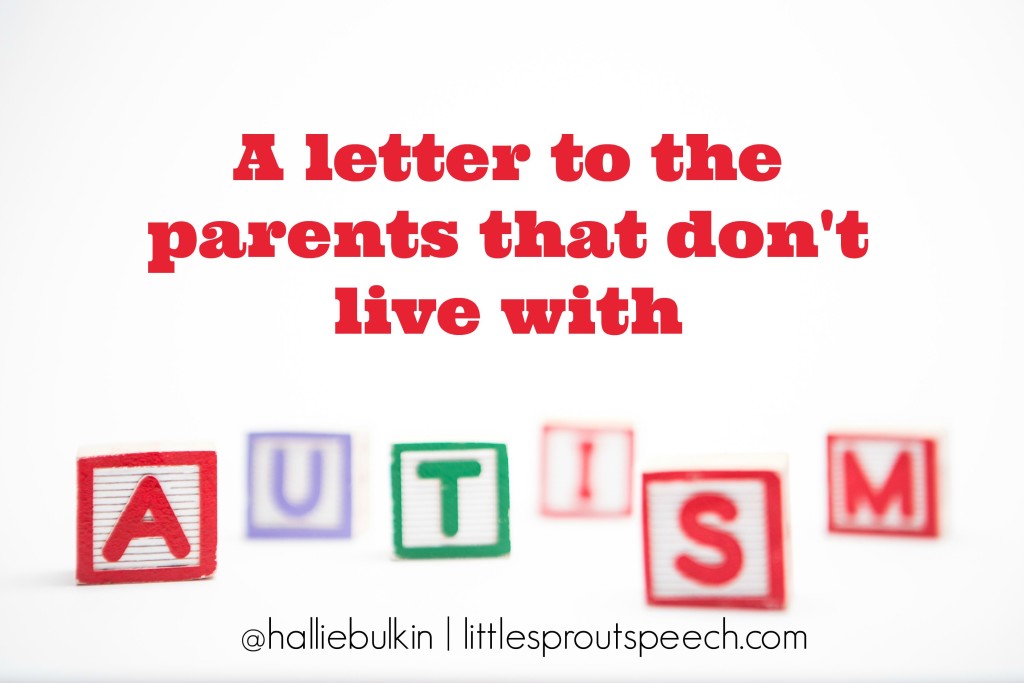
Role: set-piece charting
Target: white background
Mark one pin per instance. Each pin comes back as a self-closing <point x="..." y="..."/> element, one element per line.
<point x="114" y="115"/>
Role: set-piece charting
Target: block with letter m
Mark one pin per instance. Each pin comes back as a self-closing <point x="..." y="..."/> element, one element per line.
<point x="881" y="484"/>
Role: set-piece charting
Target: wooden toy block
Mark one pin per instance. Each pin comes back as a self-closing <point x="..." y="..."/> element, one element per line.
<point x="883" y="484"/>
<point x="586" y="471"/>
<point x="147" y="517"/>
<point x="715" y="537"/>
<point x="450" y="500"/>
<point x="300" y="485"/>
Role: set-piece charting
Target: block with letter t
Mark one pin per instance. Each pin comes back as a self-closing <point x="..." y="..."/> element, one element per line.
<point x="147" y="516"/>
<point x="586" y="471"/>
<point x="450" y="500"/>
<point x="883" y="484"/>
<point x="715" y="533"/>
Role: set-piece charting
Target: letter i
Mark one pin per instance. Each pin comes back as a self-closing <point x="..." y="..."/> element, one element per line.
<point x="586" y="454"/>
<point x="377" y="308"/>
<point x="581" y="322"/>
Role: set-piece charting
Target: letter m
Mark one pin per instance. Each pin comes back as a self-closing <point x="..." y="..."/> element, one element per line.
<point x="898" y="485"/>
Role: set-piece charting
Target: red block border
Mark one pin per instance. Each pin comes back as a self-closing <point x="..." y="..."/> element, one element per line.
<point x="207" y="462"/>
<point x="582" y="512"/>
<point x="775" y="531"/>
<point x="931" y="526"/>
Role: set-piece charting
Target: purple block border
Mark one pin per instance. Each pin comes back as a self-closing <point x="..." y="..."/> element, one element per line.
<point x="344" y="530"/>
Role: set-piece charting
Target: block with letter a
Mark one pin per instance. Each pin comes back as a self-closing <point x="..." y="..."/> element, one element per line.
<point x="147" y="516"/>
<point x="715" y="536"/>
<point x="587" y="471"/>
<point x="883" y="484"/>
<point x="450" y="500"/>
<point x="300" y="485"/>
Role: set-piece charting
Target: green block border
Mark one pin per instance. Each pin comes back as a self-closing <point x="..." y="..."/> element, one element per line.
<point x="502" y="547"/>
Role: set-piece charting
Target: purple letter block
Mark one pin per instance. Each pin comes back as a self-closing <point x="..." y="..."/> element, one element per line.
<point x="300" y="485"/>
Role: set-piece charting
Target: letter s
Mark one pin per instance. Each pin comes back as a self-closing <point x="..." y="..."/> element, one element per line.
<point x="724" y="542"/>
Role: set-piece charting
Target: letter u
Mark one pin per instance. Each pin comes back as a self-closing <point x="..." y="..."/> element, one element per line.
<point x="303" y="507"/>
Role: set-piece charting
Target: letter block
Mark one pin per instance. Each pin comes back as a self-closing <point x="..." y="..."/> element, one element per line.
<point x="147" y="517"/>
<point x="715" y="538"/>
<point x="587" y="471"/>
<point x="450" y="499"/>
<point x="300" y="485"/>
<point x="882" y="485"/>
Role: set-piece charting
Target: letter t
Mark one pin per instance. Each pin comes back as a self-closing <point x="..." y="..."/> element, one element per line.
<point x="449" y="472"/>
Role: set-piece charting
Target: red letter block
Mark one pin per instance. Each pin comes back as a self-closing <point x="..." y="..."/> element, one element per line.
<point x="147" y="517"/>
<point x="587" y="471"/>
<point x="715" y="538"/>
<point x="882" y="485"/>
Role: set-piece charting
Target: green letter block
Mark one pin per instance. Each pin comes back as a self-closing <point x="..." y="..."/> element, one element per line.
<point x="450" y="499"/>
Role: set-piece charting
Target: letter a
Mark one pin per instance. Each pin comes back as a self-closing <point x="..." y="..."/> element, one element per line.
<point x="259" y="150"/>
<point x="148" y="498"/>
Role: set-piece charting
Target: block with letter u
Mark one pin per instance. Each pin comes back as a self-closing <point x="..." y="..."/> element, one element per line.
<point x="147" y="517"/>
<point x="300" y="485"/>
<point x="715" y="537"/>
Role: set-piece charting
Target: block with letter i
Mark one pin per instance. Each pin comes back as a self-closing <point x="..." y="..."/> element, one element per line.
<point x="450" y="500"/>
<point x="883" y="484"/>
<point x="300" y="485"/>
<point x="586" y="471"/>
<point x="715" y="534"/>
<point x="147" y="516"/>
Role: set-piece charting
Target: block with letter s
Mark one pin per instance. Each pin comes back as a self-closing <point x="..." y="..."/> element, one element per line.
<point x="716" y="534"/>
